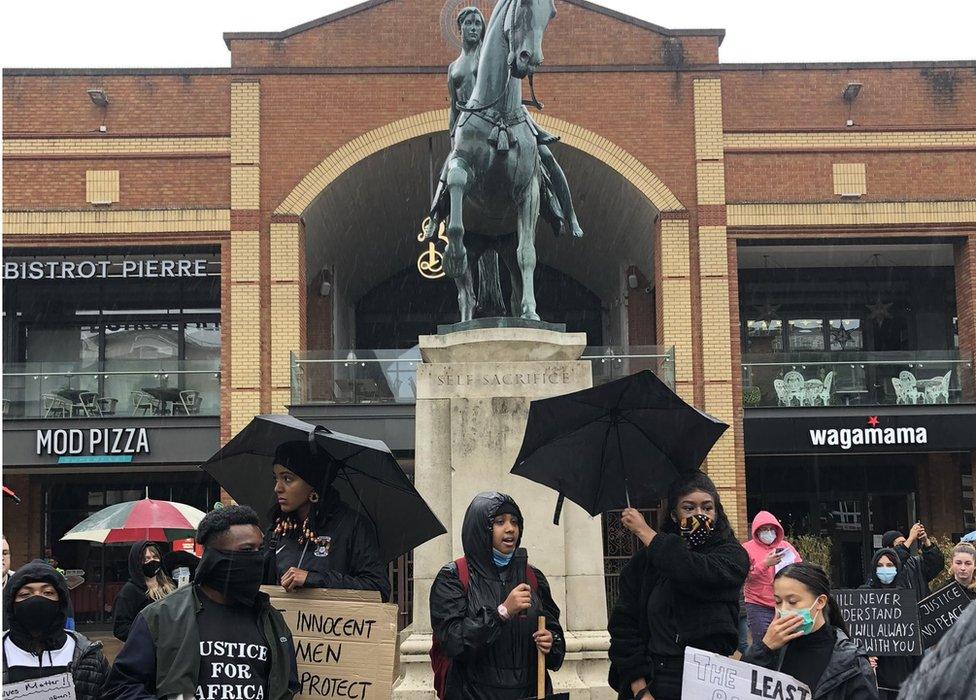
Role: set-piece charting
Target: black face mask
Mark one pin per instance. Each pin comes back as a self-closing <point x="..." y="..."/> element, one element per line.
<point x="237" y="575"/>
<point x="38" y="617"/>
<point x="151" y="568"/>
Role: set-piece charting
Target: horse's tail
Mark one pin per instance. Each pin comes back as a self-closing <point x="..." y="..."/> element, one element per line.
<point x="490" y="301"/>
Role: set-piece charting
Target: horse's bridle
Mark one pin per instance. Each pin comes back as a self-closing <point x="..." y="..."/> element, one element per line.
<point x="510" y="13"/>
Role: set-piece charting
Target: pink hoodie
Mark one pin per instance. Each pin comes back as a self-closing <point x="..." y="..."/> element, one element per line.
<point x="759" y="584"/>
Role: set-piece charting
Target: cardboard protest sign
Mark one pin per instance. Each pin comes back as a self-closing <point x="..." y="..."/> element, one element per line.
<point x="58" y="687"/>
<point x="345" y="641"/>
<point x="938" y="612"/>
<point x="885" y="621"/>
<point x="708" y="676"/>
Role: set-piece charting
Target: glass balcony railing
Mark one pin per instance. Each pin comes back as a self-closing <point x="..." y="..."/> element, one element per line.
<point x="857" y="379"/>
<point x="117" y="388"/>
<point x="390" y="376"/>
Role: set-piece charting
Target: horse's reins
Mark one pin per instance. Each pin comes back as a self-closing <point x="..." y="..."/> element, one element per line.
<point x="534" y="102"/>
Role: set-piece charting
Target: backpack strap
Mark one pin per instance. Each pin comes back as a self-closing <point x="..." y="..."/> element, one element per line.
<point x="464" y="574"/>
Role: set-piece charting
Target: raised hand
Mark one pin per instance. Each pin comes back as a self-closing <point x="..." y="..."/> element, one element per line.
<point x="782" y="631"/>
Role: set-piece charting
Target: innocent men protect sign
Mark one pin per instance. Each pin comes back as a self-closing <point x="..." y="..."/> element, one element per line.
<point x="708" y="676"/>
<point x="345" y="642"/>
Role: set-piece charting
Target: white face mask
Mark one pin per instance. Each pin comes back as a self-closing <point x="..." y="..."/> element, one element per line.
<point x="767" y="536"/>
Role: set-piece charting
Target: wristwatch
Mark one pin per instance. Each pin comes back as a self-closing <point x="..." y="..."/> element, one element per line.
<point x="503" y="612"/>
<point x="641" y="693"/>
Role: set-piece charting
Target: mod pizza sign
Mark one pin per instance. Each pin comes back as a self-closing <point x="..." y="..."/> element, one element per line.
<point x="93" y="443"/>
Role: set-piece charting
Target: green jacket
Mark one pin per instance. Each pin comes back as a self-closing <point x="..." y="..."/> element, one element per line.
<point x="175" y="637"/>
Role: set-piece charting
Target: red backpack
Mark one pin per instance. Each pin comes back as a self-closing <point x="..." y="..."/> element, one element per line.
<point x="441" y="662"/>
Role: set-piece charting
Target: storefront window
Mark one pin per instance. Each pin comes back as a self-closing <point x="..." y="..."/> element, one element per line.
<point x="138" y="331"/>
<point x="764" y="336"/>
<point x="806" y="334"/>
<point x="846" y="334"/>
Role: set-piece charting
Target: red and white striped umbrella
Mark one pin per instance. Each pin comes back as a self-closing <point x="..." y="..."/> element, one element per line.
<point x="160" y="521"/>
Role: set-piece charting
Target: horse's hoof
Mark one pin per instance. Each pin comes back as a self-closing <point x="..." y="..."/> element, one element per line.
<point x="531" y="316"/>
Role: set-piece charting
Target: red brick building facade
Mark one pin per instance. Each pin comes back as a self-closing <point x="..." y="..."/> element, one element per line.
<point x="713" y="160"/>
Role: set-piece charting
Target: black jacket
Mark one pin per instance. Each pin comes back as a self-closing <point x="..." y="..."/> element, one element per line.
<point x="847" y="676"/>
<point x="893" y="670"/>
<point x="948" y="672"/>
<point x="491" y="658"/>
<point x="705" y="585"/>
<point x="344" y="555"/>
<point x="133" y="597"/>
<point x="919" y="569"/>
<point x="89" y="669"/>
<point x="161" y="657"/>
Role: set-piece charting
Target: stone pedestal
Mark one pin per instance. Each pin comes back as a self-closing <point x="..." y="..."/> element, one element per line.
<point x="473" y="393"/>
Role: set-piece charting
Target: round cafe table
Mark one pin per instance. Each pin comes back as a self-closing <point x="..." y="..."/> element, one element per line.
<point x="165" y="395"/>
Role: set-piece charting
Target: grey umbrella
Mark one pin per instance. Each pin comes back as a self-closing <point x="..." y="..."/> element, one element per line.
<point x="369" y="480"/>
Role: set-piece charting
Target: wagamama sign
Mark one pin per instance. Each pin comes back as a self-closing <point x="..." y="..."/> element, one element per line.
<point x="874" y="434"/>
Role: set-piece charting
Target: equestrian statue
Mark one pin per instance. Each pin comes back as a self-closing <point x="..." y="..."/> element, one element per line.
<point x="500" y="172"/>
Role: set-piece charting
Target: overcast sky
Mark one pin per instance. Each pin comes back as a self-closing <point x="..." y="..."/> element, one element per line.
<point x="187" y="33"/>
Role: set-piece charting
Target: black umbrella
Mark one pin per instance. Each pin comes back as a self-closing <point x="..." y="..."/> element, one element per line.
<point x="604" y="446"/>
<point x="369" y="480"/>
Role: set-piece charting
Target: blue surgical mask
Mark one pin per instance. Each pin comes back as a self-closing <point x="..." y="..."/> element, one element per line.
<point x="806" y="614"/>
<point x="500" y="559"/>
<point x="886" y="574"/>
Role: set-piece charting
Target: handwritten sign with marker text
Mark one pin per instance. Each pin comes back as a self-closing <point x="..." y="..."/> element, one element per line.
<point x="939" y="611"/>
<point x="708" y="676"/>
<point x="345" y="642"/>
<point x="884" y="620"/>
<point x="57" y="687"/>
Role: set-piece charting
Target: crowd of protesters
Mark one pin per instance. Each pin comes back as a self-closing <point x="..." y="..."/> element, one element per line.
<point x="690" y="584"/>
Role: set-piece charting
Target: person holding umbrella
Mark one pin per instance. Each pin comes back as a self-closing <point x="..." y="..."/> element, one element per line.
<point x="147" y="583"/>
<point x="681" y="589"/>
<point x="485" y="610"/>
<point x="316" y="540"/>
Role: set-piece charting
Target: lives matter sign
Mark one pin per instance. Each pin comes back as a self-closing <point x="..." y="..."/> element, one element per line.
<point x="939" y="611"/>
<point x="708" y="676"/>
<point x="345" y="642"/>
<point x="57" y="687"/>
<point x="885" y="621"/>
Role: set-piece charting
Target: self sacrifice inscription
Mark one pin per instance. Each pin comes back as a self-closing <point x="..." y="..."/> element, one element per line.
<point x="543" y="378"/>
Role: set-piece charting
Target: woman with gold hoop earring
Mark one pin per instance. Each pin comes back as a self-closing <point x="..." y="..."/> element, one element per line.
<point x="315" y="539"/>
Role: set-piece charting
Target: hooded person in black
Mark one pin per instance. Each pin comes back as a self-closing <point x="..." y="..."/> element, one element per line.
<point x="135" y="594"/>
<point x="316" y="540"/>
<point x="35" y="602"/>
<point x="889" y="570"/>
<point x="680" y="589"/>
<point x="493" y="650"/>
<point x="921" y="568"/>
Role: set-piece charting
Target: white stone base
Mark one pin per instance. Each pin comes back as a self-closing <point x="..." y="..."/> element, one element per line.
<point x="473" y="393"/>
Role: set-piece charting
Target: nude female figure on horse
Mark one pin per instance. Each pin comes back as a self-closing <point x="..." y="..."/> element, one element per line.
<point x="461" y="75"/>
<point x="504" y="116"/>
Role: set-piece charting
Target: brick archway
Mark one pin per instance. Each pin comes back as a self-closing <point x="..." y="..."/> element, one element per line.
<point x="604" y="150"/>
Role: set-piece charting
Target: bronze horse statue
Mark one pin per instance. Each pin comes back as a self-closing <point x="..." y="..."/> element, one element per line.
<point x="493" y="176"/>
